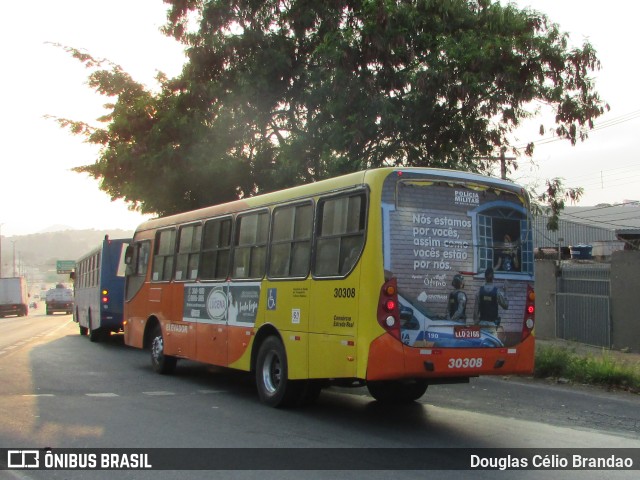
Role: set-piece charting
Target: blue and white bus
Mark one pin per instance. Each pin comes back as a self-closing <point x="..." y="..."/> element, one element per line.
<point x="99" y="289"/>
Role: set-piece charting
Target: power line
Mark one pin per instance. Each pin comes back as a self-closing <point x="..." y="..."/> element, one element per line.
<point x="629" y="167"/>
<point x="600" y="222"/>
<point x="611" y="181"/>
<point x="599" y="126"/>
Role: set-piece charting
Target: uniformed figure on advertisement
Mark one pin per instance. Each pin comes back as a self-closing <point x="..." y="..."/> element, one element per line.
<point x="508" y="257"/>
<point x="457" y="307"/>
<point x="488" y="299"/>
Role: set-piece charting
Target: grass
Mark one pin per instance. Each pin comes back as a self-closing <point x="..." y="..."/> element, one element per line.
<point x="559" y="362"/>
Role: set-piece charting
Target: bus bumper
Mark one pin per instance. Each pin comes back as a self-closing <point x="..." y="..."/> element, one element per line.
<point x="391" y="360"/>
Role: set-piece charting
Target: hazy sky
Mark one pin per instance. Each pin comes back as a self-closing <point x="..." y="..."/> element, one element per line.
<point x="38" y="188"/>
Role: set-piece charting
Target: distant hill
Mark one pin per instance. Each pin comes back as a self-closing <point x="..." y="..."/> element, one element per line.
<point x="37" y="254"/>
<point x="55" y="228"/>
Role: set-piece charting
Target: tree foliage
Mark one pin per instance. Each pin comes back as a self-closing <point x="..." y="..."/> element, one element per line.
<point x="281" y="92"/>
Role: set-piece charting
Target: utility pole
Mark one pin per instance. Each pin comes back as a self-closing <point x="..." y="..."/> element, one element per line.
<point x="503" y="162"/>
<point x="13" y="242"/>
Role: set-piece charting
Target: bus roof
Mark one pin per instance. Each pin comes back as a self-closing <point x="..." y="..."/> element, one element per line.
<point x="334" y="184"/>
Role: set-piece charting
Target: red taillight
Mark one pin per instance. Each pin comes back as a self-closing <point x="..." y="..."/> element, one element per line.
<point x="388" y="308"/>
<point x="529" y="313"/>
<point x="105" y="296"/>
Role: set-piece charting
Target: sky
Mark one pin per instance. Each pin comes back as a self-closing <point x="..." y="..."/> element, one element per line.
<point x="38" y="189"/>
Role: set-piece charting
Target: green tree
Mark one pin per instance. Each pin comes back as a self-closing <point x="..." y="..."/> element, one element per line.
<point x="282" y="92"/>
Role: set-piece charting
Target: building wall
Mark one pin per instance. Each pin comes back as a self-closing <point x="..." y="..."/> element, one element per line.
<point x="546" y="273"/>
<point x="625" y="299"/>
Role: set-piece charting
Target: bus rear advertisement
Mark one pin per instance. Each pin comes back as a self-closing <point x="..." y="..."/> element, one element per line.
<point x="393" y="278"/>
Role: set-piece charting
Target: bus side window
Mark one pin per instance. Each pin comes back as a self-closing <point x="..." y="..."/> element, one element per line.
<point x="291" y="241"/>
<point x="137" y="268"/>
<point x="188" y="252"/>
<point x="128" y="255"/>
<point x="142" y="262"/>
<point x="340" y="234"/>
<point x="216" y="249"/>
<point x="164" y="253"/>
<point x="250" y="252"/>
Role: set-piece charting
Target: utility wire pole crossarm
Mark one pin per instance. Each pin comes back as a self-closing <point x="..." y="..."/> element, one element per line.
<point x="503" y="163"/>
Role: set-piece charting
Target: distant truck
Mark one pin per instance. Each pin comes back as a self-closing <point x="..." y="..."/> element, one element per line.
<point x="14" y="299"/>
<point x="59" y="299"/>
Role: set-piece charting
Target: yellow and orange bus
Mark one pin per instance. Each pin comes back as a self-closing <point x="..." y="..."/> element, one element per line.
<point x="352" y="280"/>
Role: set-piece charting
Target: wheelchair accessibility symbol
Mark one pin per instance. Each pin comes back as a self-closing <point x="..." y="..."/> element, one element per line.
<point x="272" y="295"/>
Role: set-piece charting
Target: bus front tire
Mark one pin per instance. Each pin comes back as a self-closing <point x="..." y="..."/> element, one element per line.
<point x="160" y="362"/>
<point x="396" y="391"/>
<point x="272" y="376"/>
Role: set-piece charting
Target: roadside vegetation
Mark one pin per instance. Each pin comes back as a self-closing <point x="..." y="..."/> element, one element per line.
<point x="278" y="94"/>
<point x="604" y="370"/>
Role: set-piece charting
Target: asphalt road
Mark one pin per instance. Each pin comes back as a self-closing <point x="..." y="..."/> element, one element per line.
<point x="60" y="390"/>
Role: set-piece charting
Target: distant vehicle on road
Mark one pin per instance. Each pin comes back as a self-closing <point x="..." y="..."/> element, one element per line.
<point x="99" y="289"/>
<point x="59" y="299"/>
<point x="13" y="297"/>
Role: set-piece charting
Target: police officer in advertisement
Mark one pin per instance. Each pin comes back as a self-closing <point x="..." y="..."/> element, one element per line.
<point x="487" y="301"/>
<point x="457" y="307"/>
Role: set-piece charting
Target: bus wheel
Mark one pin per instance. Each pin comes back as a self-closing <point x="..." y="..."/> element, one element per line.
<point x="397" y="391"/>
<point x="83" y="330"/>
<point x="95" y="335"/>
<point x="274" y="387"/>
<point x="160" y="362"/>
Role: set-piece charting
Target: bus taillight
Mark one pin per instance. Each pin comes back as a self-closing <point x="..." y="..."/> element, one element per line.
<point x="388" y="309"/>
<point x="529" y="312"/>
<point x="105" y="296"/>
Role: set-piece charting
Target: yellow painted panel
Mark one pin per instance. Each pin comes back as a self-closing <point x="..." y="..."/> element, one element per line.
<point x="334" y="306"/>
<point x="296" y="345"/>
<point x="334" y="356"/>
<point x="286" y="305"/>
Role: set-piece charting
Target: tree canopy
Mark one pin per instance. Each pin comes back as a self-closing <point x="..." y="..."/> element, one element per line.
<point x="277" y="93"/>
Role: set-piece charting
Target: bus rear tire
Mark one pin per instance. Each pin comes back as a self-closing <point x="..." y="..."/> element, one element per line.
<point x="272" y="376"/>
<point x="396" y="391"/>
<point x="95" y="335"/>
<point x="84" y="331"/>
<point x="161" y="363"/>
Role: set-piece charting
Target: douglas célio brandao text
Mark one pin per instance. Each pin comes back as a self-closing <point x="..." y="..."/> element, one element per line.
<point x="551" y="462"/>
